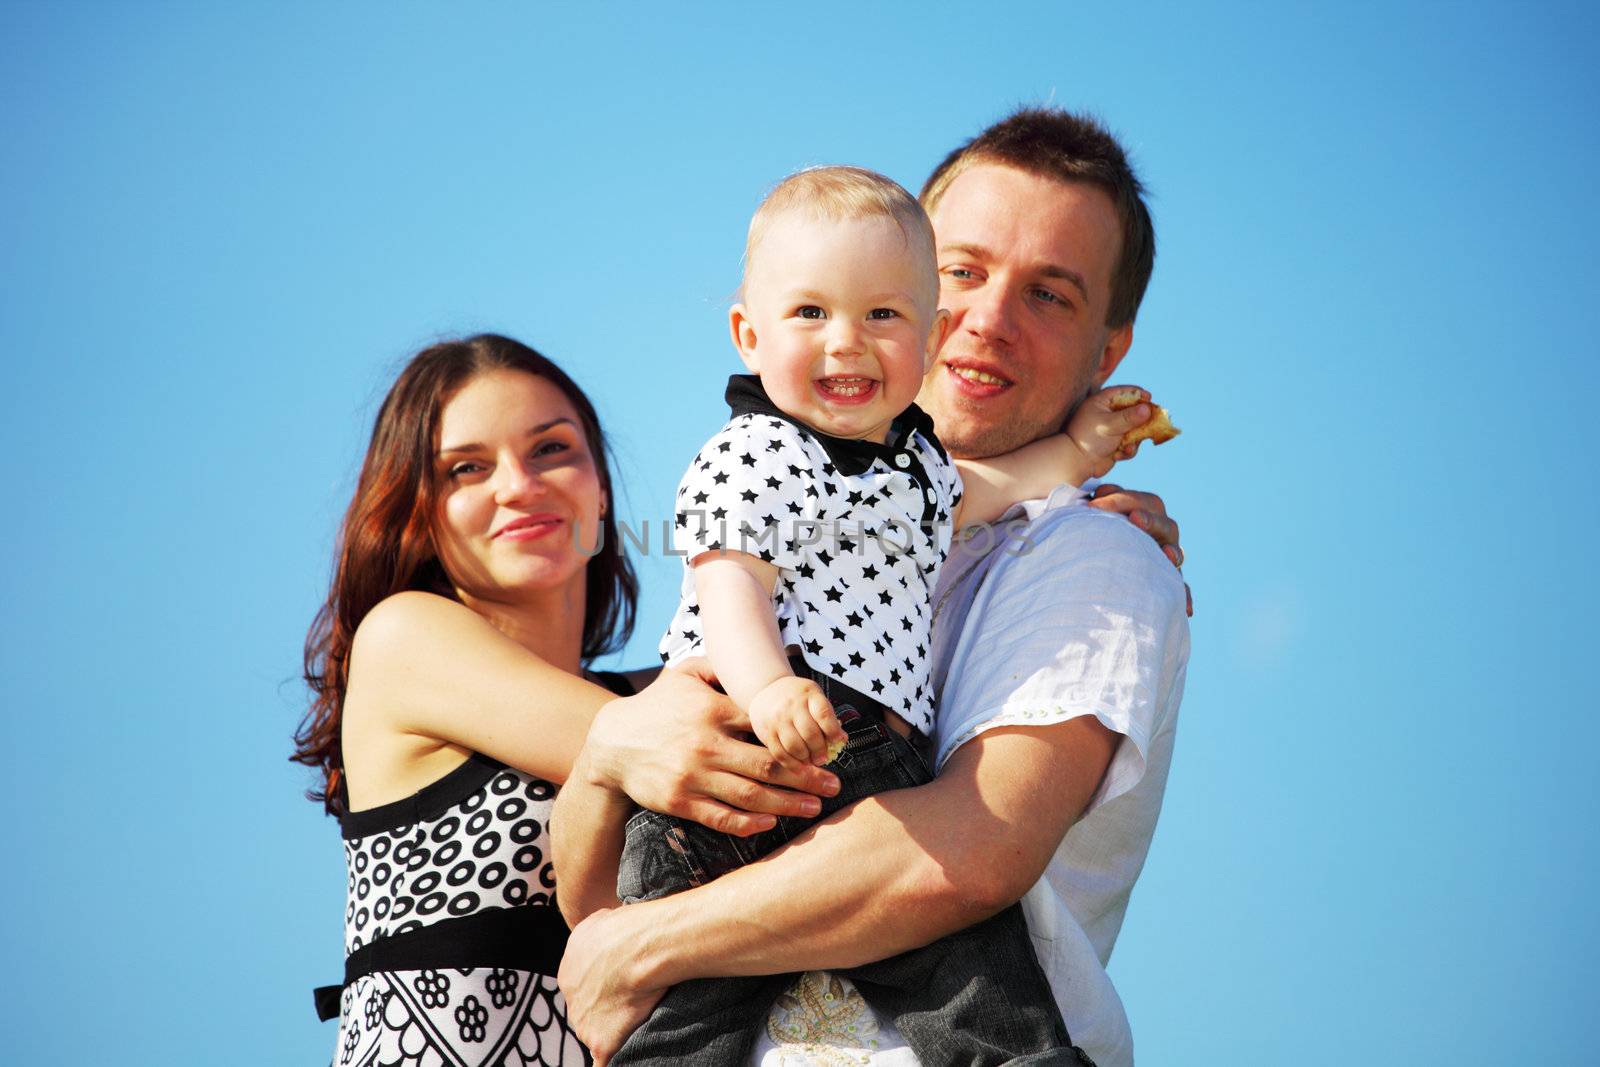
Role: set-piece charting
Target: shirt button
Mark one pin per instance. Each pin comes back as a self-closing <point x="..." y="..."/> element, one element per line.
<point x="902" y="460"/>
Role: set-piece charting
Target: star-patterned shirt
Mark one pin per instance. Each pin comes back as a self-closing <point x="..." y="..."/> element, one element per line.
<point x="857" y="530"/>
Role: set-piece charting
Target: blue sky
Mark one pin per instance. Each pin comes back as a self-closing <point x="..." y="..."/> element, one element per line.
<point x="1373" y="313"/>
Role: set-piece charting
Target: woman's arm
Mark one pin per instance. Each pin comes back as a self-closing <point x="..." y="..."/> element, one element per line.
<point x="586" y="837"/>
<point x="431" y="668"/>
<point x="587" y="822"/>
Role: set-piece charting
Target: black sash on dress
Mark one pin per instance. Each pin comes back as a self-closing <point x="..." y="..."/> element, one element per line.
<point x="529" y="937"/>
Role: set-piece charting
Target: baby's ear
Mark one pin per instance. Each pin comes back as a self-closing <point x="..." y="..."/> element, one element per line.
<point x="936" y="336"/>
<point x="744" y="336"/>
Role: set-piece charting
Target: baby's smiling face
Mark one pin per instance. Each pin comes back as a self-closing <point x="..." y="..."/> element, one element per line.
<point x="840" y="319"/>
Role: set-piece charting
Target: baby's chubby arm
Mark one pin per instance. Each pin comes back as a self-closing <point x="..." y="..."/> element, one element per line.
<point x="789" y="714"/>
<point x="1089" y="448"/>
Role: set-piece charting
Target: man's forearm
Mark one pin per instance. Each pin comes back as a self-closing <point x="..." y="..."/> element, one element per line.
<point x="895" y="871"/>
<point x="891" y="873"/>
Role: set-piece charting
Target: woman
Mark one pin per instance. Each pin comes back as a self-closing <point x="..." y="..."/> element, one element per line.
<point x="478" y="572"/>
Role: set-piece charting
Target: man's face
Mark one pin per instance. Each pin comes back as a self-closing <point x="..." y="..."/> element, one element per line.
<point x="1025" y="267"/>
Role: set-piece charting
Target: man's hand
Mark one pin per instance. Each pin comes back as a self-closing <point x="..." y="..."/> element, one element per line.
<point x="1148" y="512"/>
<point x="676" y="748"/>
<point x="598" y="977"/>
<point x="794" y="720"/>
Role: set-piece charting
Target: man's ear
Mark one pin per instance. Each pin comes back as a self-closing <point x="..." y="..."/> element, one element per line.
<point x="1118" y="342"/>
<point x="936" y="338"/>
<point x="744" y="336"/>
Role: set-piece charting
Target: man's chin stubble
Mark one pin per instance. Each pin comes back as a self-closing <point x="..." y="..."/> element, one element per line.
<point x="996" y="438"/>
<point x="985" y="442"/>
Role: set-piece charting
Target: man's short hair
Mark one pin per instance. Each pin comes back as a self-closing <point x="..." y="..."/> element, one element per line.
<point x="1055" y="143"/>
<point x="844" y="193"/>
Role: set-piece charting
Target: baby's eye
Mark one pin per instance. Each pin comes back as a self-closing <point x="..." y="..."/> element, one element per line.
<point x="883" y="313"/>
<point x="810" y="311"/>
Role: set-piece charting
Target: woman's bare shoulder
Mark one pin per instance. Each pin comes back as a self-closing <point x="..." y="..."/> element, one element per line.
<point x="406" y="634"/>
<point x="398" y="623"/>
<point x="384" y="759"/>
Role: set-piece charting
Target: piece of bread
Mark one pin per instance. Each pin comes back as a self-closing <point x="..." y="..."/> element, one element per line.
<point x="1157" y="429"/>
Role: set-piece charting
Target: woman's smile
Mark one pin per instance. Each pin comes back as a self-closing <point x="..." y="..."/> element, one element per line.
<point x="530" y="527"/>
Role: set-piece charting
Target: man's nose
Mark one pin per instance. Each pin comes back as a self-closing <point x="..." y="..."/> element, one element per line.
<point x="516" y="481"/>
<point x="991" y="313"/>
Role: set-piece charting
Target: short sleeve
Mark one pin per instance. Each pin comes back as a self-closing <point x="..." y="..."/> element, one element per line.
<point x="1082" y="616"/>
<point x="753" y="488"/>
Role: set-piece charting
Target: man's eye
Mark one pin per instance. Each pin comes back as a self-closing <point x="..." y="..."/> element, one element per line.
<point x="1048" y="297"/>
<point x="883" y="313"/>
<point x="810" y="311"/>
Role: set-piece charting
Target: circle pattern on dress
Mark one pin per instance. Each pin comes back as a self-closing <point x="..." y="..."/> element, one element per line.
<point x="490" y="850"/>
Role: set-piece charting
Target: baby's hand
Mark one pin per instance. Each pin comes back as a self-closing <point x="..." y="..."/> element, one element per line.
<point x="794" y="720"/>
<point x="1102" y="420"/>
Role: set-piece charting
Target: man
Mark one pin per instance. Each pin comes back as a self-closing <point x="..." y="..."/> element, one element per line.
<point x="1059" y="653"/>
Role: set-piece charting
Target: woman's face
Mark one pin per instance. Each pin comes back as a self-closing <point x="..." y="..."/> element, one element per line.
<point x="520" y="498"/>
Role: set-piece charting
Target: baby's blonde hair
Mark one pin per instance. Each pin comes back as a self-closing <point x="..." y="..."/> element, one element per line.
<point x="841" y="193"/>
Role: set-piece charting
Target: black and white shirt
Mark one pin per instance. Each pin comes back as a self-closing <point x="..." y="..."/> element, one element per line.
<point x="858" y="531"/>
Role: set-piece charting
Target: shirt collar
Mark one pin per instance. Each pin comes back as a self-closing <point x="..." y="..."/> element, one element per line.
<point x="747" y="396"/>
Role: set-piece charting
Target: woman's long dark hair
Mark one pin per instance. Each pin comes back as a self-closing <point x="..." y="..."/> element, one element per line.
<point x="385" y="544"/>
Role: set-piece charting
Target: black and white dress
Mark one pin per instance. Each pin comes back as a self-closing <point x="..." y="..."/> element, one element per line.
<point x="452" y="937"/>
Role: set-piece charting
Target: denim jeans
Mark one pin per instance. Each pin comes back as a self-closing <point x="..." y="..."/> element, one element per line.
<point x="975" y="997"/>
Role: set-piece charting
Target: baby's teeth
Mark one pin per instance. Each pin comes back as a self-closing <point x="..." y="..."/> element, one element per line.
<point x="847" y="387"/>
